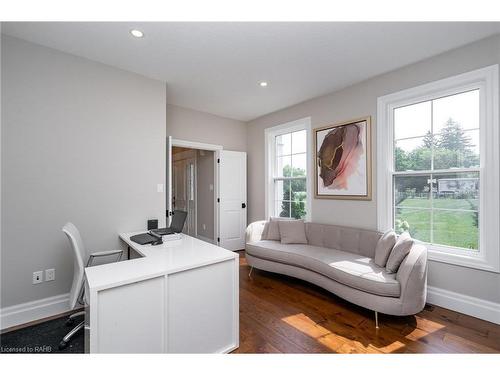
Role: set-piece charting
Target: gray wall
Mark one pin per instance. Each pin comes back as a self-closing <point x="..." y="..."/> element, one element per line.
<point x="205" y="196"/>
<point x="81" y="142"/>
<point x="195" y="126"/>
<point x="188" y="124"/>
<point x="361" y="100"/>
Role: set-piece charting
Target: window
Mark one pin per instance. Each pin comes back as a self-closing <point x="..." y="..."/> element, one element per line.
<point x="436" y="170"/>
<point x="438" y="166"/>
<point x="287" y="162"/>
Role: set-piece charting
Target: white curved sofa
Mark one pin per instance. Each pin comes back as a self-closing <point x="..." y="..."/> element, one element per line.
<point x="340" y="260"/>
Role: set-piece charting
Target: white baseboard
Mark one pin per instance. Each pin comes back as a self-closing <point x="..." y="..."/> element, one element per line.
<point x="27" y="312"/>
<point x="462" y="303"/>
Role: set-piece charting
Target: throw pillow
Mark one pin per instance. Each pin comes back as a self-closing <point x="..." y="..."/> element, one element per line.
<point x="384" y="247"/>
<point x="292" y="231"/>
<point x="399" y="252"/>
<point x="273" y="231"/>
<point x="265" y="231"/>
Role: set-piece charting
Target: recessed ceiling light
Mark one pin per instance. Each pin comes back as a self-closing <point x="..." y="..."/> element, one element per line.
<point x="263" y="84"/>
<point x="137" y="33"/>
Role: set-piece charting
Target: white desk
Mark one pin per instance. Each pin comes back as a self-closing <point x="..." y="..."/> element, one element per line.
<point x="179" y="297"/>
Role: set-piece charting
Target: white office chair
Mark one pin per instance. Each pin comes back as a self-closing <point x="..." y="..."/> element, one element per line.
<point x="82" y="259"/>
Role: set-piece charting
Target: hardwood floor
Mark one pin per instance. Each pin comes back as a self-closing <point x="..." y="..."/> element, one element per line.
<point x="280" y="314"/>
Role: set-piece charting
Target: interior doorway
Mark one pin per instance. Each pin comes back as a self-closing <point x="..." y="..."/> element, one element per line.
<point x="209" y="183"/>
<point x="193" y="190"/>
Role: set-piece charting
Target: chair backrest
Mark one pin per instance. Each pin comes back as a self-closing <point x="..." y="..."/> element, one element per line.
<point x="178" y="221"/>
<point x="80" y="257"/>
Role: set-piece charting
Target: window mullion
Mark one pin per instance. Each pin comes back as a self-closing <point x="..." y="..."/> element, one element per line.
<point x="436" y="171"/>
<point x="431" y="229"/>
<point x="278" y="178"/>
<point x="431" y="190"/>
<point x="432" y="135"/>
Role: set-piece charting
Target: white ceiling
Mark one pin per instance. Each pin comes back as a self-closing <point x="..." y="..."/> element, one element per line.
<point x="216" y="67"/>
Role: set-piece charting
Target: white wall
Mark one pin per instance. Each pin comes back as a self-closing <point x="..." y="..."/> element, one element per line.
<point x="81" y="142"/>
<point x="195" y="126"/>
<point x="358" y="101"/>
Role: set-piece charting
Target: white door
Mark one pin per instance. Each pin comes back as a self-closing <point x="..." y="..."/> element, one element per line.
<point x="168" y="189"/>
<point x="233" y="199"/>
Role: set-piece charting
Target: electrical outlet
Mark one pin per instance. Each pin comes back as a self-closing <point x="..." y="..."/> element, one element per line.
<point x="204" y="226"/>
<point x="50" y="274"/>
<point x="37" y="277"/>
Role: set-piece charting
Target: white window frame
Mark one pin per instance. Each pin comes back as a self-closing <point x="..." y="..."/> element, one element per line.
<point x="270" y="135"/>
<point x="486" y="81"/>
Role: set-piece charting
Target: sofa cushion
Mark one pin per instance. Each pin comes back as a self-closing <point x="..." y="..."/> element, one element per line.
<point x="384" y="247"/>
<point x="350" y="269"/>
<point x="292" y="231"/>
<point x="399" y="252"/>
<point x="359" y="241"/>
<point x="273" y="230"/>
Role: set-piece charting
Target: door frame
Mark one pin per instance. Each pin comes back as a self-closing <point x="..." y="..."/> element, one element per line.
<point x="208" y="147"/>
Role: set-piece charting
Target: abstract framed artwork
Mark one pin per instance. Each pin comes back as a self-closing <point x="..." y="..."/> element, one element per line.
<point x="343" y="160"/>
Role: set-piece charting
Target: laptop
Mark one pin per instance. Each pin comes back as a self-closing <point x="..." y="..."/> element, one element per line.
<point x="178" y="220"/>
<point x="154" y="236"/>
<point x="144" y="238"/>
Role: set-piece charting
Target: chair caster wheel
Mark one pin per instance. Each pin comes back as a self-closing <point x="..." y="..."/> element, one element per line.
<point x="69" y="322"/>
<point x="63" y="345"/>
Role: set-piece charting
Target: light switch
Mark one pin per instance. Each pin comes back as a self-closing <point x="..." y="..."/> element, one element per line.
<point x="211" y="187"/>
<point x="159" y="188"/>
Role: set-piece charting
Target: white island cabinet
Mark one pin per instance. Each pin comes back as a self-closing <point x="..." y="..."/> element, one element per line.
<point x="179" y="297"/>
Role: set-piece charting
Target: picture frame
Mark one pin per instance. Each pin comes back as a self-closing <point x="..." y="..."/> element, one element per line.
<point x="342" y="159"/>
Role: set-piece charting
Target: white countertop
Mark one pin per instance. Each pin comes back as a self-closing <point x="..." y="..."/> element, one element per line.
<point x="170" y="257"/>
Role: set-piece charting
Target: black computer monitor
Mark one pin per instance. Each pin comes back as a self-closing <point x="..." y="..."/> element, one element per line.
<point x="178" y="220"/>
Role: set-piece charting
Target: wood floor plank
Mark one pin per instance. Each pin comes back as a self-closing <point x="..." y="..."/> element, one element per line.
<point x="271" y="316"/>
<point x="318" y="309"/>
<point x="255" y="331"/>
<point x="471" y="346"/>
<point x="280" y="314"/>
<point x="253" y="342"/>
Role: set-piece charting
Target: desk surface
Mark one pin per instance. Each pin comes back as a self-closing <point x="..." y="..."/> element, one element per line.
<point x="170" y="257"/>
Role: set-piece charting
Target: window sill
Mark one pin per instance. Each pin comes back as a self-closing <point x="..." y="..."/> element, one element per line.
<point x="463" y="260"/>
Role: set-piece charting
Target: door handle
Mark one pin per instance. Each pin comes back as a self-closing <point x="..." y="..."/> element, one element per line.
<point x="243" y="205"/>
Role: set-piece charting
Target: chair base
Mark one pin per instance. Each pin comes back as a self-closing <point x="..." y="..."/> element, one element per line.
<point x="64" y="342"/>
<point x="71" y="318"/>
